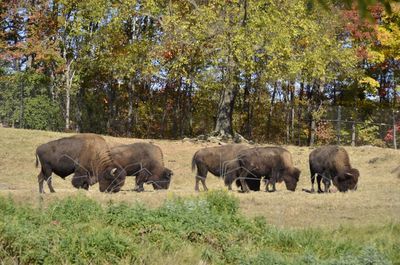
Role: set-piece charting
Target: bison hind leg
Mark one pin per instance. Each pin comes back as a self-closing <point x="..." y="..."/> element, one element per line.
<point x="312" y="182"/>
<point x="201" y="176"/>
<point x="40" y="178"/>
<point x="45" y="175"/>
<point x="50" y="184"/>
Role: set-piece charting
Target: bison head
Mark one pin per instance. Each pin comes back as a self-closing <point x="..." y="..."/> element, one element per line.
<point x="163" y="182"/>
<point x="112" y="180"/>
<point x="347" y="181"/>
<point x="291" y="177"/>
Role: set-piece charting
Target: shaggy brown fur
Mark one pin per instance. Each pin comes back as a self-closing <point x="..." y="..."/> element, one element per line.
<point x="145" y="161"/>
<point x="273" y="163"/>
<point x="220" y="161"/>
<point x="332" y="163"/>
<point x="85" y="155"/>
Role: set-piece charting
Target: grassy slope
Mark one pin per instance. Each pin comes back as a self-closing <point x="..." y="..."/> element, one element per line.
<point x="362" y="224"/>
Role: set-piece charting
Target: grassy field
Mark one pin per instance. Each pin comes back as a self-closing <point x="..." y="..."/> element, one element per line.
<point x="376" y="201"/>
<point x="363" y="224"/>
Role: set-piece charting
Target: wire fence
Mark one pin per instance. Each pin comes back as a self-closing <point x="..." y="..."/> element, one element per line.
<point x="350" y="126"/>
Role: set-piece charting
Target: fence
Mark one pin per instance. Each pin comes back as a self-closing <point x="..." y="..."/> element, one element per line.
<point x="352" y="127"/>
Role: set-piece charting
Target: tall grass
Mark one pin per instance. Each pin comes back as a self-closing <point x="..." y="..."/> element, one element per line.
<point x="208" y="229"/>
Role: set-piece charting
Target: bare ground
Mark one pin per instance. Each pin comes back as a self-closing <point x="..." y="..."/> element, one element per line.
<point x="377" y="200"/>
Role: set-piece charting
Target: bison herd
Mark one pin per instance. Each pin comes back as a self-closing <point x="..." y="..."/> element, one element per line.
<point x="90" y="159"/>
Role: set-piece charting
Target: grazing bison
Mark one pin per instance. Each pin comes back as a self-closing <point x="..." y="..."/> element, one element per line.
<point x="85" y="155"/>
<point x="274" y="163"/>
<point x="332" y="163"/>
<point x="145" y="161"/>
<point x="220" y="161"/>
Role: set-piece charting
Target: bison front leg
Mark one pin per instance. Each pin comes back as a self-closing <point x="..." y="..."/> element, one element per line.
<point x="319" y="178"/>
<point x="272" y="180"/>
<point x="138" y="187"/>
<point x="268" y="182"/>
<point x="140" y="180"/>
<point x="242" y="178"/>
<point x="326" y="180"/>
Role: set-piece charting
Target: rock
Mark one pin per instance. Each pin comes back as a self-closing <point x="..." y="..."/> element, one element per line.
<point x="213" y="139"/>
<point x="202" y="137"/>
<point x="239" y="139"/>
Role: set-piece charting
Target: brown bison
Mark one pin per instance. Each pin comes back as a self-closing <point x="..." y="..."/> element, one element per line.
<point x="274" y="163"/>
<point x="332" y="163"/>
<point x="85" y="155"/>
<point x="145" y="161"/>
<point x="220" y="161"/>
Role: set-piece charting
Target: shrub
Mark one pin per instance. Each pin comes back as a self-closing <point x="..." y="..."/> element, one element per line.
<point x="78" y="230"/>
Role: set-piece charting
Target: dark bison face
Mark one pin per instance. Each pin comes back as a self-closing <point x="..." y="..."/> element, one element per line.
<point x="112" y="180"/>
<point x="291" y="177"/>
<point x="347" y="181"/>
<point x="163" y="182"/>
<point x="80" y="182"/>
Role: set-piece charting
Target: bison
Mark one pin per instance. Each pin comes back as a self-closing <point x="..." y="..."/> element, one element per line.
<point x="85" y="155"/>
<point x="274" y="163"/>
<point x="220" y="161"/>
<point x="332" y="163"/>
<point x="145" y="161"/>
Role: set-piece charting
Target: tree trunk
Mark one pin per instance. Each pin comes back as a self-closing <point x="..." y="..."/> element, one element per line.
<point x="271" y="110"/>
<point x="69" y="76"/>
<point x="80" y="107"/>
<point x="111" y="94"/>
<point x="299" y="113"/>
<point x="131" y="91"/>
<point x="353" y="133"/>
<point x="190" y="109"/>
<point x="246" y="129"/>
<point x="312" y="131"/>
<point x="67" y="106"/>
<point x="223" y="125"/>
<point x="311" y="126"/>
<point x="339" y="122"/>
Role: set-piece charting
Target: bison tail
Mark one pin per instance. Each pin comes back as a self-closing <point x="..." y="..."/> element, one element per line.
<point x="194" y="162"/>
<point x="37" y="161"/>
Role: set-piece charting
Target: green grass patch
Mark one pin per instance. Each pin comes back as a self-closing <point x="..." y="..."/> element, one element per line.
<point x="207" y="228"/>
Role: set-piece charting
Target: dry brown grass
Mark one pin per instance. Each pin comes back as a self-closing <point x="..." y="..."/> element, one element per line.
<point x="376" y="201"/>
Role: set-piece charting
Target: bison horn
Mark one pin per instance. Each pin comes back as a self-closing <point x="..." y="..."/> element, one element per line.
<point x="113" y="171"/>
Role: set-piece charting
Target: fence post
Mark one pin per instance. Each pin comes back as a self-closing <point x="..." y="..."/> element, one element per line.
<point x="353" y="133"/>
<point x="394" y="130"/>
<point x="339" y="118"/>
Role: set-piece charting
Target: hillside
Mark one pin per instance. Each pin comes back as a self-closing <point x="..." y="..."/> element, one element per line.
<point x="376" y="201"/>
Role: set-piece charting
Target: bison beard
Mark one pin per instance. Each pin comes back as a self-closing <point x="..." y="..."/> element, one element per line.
<point x="85" y="155"/>
<point x="332" y="164"/>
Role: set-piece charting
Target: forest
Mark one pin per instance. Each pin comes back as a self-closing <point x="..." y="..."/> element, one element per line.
<point x="290" y="72"/>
